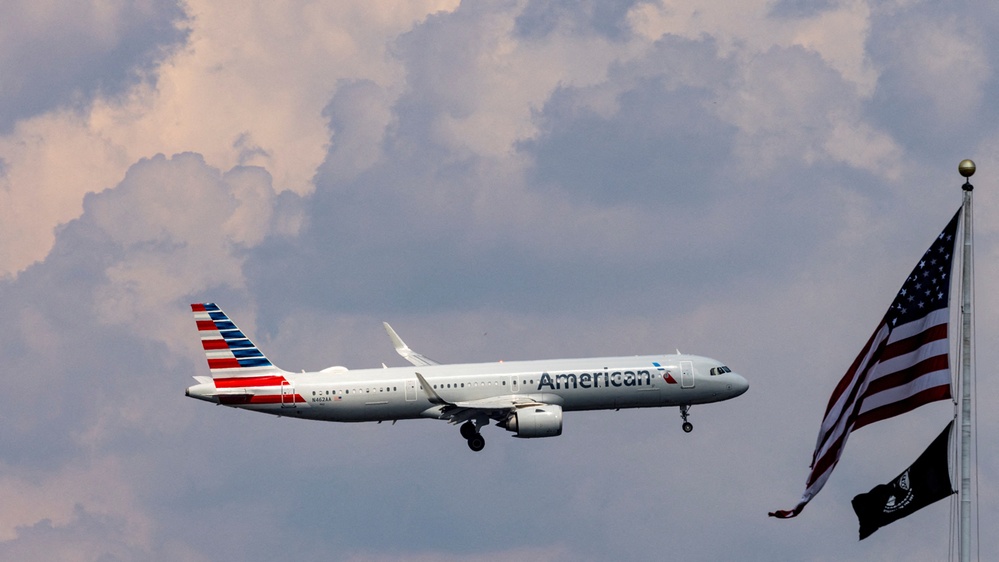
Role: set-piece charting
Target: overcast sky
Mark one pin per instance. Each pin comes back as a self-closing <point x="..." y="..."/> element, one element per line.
<point x="751" y="181"/>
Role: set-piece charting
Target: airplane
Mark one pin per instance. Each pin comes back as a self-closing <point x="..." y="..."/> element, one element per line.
<point x="523" y="397"/>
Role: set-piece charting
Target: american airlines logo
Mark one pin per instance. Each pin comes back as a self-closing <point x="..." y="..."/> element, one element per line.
<point x="603" y="379"/>
<point x="666" y="374"/>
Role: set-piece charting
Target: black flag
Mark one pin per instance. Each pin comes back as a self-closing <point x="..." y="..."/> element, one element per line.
<point x="926" y="481"/>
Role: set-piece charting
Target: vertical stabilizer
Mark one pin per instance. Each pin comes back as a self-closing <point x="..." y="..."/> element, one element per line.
<point x="229" y="352"/>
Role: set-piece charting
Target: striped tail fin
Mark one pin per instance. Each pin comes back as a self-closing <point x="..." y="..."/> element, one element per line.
<point x="229" y="352"/>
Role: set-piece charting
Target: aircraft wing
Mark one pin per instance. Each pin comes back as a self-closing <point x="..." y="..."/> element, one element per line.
<point x="402" y="349"/>
<point x="496" y="407"/>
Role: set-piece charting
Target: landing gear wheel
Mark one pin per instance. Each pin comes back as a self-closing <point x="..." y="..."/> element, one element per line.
<point x="468" y="430"/>
<point x="476" y="443"/>
<point x="687" y="426"/>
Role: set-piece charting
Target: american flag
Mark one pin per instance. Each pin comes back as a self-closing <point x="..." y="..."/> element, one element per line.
<point x="903" y="366"/>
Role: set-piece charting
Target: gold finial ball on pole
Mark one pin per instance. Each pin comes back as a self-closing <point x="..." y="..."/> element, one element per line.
<point x="966" y="168"/>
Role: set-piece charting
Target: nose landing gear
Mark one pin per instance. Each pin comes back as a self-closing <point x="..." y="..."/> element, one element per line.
<point x="687" y="426"/>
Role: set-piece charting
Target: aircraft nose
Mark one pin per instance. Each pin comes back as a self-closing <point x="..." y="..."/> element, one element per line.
<point x="738" y="384"/>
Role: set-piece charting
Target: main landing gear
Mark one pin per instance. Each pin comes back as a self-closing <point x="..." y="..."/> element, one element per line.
<point x="687" y="426"/>
<point x="471" y="433"/>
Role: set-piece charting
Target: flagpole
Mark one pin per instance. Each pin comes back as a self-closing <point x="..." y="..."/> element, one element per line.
<point x="967" y="169"/>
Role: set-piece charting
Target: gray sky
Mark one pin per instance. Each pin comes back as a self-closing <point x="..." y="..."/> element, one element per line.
<point x="750" y="181"/>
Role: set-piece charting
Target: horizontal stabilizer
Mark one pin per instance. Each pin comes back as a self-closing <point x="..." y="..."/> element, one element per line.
<point x="234" y="399"/>
<point x="233" y="392"/>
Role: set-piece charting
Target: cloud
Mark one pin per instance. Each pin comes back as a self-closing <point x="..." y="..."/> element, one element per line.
<point x="140" y="252"/>
<point x="660" y="144"/>
<point x="44" y="513"/>
<point x="176" y="227"/>
<point x="934" y="64"/>
<point x="792" y="107"/>
<point x="609" y="19"/>
<point x="63" y="56"/>
<point x="612" y="165"/>
<point x="244" y="88"/>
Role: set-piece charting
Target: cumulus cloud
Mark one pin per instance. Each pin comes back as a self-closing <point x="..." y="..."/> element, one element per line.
<point x="246" y="87"/>
<point x="88" y="494"/>
<point x="615" y="162"/>
<point x="120" y="277"/>
<point x="55" y="56"/>
<point x="933" y="63"/>
<point x="661" y="143"/>
<point x="178" y="226"/>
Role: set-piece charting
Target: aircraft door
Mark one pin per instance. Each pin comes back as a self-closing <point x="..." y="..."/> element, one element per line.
<point x="410" y="391"/>
<point x="287" y="395"/>
<point x="686" y="374"/>
<point x="514" y="384"/>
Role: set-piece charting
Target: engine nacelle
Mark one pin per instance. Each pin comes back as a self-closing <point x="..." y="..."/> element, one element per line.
<point x="535" y="421"/>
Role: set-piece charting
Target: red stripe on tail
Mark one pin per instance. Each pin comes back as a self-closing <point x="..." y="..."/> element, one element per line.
<point x="228" y="363"/>
<point x="236" y="382"/>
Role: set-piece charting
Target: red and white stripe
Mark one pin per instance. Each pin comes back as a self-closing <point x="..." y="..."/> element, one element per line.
<point x="897" y="371"/>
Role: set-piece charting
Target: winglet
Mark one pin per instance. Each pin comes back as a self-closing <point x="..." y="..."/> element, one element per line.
<point x="402" y="349"/>
<point x="397" y="342"/>
<point x="431" y="393"/>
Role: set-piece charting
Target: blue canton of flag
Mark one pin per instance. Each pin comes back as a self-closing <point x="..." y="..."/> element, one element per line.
<point x="928" y="287"/>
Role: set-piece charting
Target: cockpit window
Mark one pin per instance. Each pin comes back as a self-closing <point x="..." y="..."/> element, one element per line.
<point x="720" y="370"/>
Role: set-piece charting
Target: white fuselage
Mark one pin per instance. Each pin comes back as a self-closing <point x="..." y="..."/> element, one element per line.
<point x="339" y="394"/>
<point x="524" y="397"/>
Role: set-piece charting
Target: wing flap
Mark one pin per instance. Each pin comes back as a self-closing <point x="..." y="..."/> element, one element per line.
<point x="498" y="403"/>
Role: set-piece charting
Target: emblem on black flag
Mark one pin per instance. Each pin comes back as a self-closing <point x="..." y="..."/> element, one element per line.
<point x="926" y="481"/>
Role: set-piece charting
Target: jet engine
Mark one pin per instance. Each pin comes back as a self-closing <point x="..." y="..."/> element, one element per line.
<point x="535" y="421"/>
